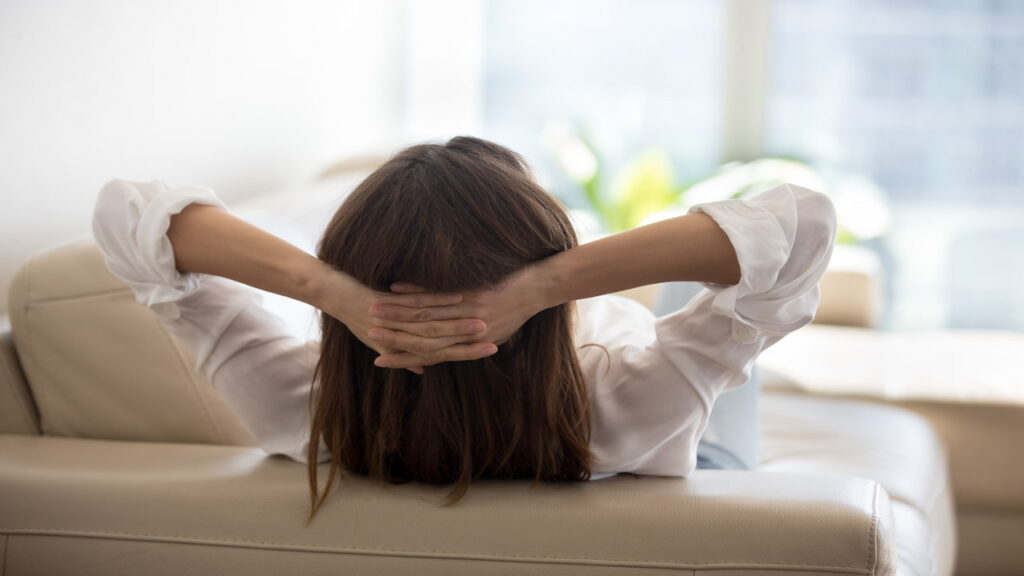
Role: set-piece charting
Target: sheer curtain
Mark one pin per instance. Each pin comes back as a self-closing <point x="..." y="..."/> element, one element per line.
<point x="927" y="98"/>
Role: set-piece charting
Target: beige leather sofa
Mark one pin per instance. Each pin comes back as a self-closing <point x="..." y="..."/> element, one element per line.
<point x="115" y="459"/>
<point x="968" y="384"/>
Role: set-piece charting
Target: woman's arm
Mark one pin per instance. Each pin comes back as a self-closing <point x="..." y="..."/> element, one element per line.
<point x="686" y="248"/>
<point x="765" y="248"/>
<point x="206" y="239"/>
<point x="209" y="240"/>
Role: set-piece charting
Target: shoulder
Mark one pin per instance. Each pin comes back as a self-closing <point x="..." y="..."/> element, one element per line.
<point x="612" y="319"/>
<point x="612" y="336"/>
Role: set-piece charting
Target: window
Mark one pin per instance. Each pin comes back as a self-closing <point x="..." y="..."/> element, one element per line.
<point x="927" y="98"/>
<point x="924" y="97"/>
<point x="629" y="75"/>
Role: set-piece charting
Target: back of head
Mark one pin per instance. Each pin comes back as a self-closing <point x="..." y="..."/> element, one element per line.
<point x="456" y="217"/>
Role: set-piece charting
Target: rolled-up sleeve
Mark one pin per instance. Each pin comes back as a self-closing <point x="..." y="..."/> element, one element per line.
<point x="130" y="224"/>
<point x="246" y="352"/>
<point x="783" y="240"/>
<point x="652" y="395"/>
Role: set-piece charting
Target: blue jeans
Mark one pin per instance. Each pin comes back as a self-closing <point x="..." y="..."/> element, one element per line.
<point x="730" y="441"/>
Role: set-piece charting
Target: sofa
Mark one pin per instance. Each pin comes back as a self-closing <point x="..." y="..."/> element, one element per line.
<point x="115" y="458"/>
<point x="968" y="385"/>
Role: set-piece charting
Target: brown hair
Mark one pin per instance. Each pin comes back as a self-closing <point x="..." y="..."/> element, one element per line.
<point x="455" y="217"/>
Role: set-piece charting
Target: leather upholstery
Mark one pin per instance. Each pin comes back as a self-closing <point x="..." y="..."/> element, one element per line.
<point x="815" y="435"/>
<point x="100" y="365"/>
<point x="990" y="542"/>
<point x="17" y="410"/>
<point x="849" y="298"/>
<point x="970" y="388"/>
<point x="219" y="499"/>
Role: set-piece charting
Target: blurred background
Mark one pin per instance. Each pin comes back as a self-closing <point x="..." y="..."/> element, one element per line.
<point x="909" y="113"/>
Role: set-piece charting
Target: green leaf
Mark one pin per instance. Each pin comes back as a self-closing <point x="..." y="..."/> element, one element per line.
<point x="844" y="236"/>
<point x="645" y="186"/>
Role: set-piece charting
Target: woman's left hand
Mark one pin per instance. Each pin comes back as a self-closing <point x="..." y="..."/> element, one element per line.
<point x="428" y="334"/>
<point x="501" y="311"/>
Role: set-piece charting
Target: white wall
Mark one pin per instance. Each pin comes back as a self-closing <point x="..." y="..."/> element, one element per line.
<point x="444" y="50"/>
<point x="243" y="97"/>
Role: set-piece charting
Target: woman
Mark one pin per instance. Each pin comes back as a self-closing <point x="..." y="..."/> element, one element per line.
<point x="449" y="348"/>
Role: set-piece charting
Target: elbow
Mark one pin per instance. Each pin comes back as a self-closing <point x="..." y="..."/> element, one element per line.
<point x="108" y="211"/>
<point x="110" y="204"/>
<point x="816" y="214"/>
<point x="114" y="192"/>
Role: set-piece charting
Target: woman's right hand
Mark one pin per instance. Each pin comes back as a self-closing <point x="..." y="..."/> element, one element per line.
<point x="502" y="310"/>
<point x="427" y="332"/>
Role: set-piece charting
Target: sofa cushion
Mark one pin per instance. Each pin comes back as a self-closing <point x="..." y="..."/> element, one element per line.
<point x="968" y="384"/>
<point x="107" y="507"/>
<point x="970" y="387"/>
<point x="819" y="435"/>
<point x="100" y="365"/>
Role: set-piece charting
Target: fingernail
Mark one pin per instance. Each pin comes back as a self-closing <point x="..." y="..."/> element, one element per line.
<point x="376" y="312"/>
<point x="374" y="334"/>
<point x="476" y="327"/>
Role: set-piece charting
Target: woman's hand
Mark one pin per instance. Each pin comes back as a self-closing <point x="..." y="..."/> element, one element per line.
<point x="502" y="310"/>
<point x="428" y="333"/>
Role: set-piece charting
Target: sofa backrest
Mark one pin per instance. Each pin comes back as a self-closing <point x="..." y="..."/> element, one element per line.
<point x="100" y="365"/>
<point x="18" y="413"/>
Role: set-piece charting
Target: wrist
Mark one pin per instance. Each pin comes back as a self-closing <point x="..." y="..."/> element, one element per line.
<point x="314" y="280"/>
<point x="550" y="278"/>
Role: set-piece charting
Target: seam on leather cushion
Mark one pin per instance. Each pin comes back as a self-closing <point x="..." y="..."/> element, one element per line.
<point x="873" y="532"/>
<point x="415" y="553"/>
<point x="11" y="376"/>
<point x="72" y="298"/>
<point x="28" y="355"/>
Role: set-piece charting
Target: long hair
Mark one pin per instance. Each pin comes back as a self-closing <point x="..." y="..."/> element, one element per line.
<point x="456" y="217"/>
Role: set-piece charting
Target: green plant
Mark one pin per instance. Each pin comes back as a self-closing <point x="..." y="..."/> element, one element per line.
<point x="647" y="187"/>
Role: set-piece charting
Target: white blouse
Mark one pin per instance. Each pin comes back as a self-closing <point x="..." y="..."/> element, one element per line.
<point x="651" y="393"/>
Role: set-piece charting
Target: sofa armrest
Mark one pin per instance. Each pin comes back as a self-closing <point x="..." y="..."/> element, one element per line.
<point x="215" y="505"/>
<point x="852" y="289"/>
<point x="967" y="384"/>
<point x="18" y="413"/>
